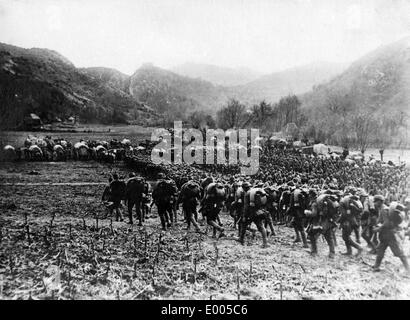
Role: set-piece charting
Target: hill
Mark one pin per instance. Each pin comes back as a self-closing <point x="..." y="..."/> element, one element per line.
<point x="296" y="80"/>
<point x="379" y="80"/>
<point x="372" y="96"/>
<point x="43" y="82"/>
<point x="109" y="76"/>
<point x="168" y="92"/>
<point x="216" y="74"/>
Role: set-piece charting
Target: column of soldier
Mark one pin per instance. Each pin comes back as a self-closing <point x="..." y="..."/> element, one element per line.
<point x="381" y="220"/>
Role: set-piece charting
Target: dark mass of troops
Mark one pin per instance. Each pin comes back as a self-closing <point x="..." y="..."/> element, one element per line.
<point x="314" y="195"/>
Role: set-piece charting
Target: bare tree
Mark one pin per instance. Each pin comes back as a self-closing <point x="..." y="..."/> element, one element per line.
<point x="201" y="120"/>
<point x="388" y="127"/>
<point x="261" y="113"/>
<point x="364" y="126"/>
<point x="291" y="131"/>
<point x="232" y="116"/>
<point x="287" y="110"/>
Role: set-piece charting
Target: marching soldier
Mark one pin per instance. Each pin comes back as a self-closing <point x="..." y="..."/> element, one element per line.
<point x="322" y="220"/>
<point x="371" y="236"/>
<point x="296" y="210"/>
<point x="136" y="189"/>
<point x="163" y="196"/>
<point x="189" y="196"/>
<point x="239" y="204"/>
<point x="254" y="203"/>
<point x="270" y="208"/>
<point x="391" y="234"/>
<point x="368" y="221"/>
<point x="212" y="203"/>
<point x="273" y="203"/>
<point x="350" y="209"/>
<point x="118" y="189"/>
<point x="284" y="202"/>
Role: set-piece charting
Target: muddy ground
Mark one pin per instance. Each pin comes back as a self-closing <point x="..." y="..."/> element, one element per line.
<point x="52" y="248"/>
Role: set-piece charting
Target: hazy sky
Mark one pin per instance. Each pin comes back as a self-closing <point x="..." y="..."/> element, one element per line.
<point x="265" y="35"/>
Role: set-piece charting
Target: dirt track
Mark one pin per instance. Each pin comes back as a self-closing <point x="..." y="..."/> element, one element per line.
<point x="118" y="262"/>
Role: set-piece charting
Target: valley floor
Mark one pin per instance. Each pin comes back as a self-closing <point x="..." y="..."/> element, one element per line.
<point x="76" y="256"/>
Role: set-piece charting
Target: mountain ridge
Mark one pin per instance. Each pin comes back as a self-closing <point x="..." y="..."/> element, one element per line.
<point x="380" y="78"/>
<point x="296" y="80"/>
<point x="44" y="82"/>
<point x="217" y="75"/>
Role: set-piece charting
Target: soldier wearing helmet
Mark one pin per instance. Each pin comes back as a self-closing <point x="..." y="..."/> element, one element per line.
<point x="135" y="191"/>
<point x="239" y="203"/>
<point x="163" y="194"/>
<point x="254" y="203"/>
<point x="368" y="207"/>
<point x="272" y="205"/>
<point x="350" y="209"/>
<point x="118" y="188"/>
<point x="284" y="203"/>
<point x="212" y="204"/>
<point x="189" y="197"/>
<point x="160" y="176"/>
<point x="371" y="236"/>
<point x="297" y="206"/>
<point x="391" y="234"/>
<point x="322" y="215"/>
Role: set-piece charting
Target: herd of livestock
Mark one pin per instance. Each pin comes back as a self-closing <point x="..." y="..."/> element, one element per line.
<point x="48" y="149"/>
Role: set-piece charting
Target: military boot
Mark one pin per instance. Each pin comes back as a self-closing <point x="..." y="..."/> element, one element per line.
<point x="331" y="244"/>
<point x="348" y="250"/>
<point x="163" y="223"/>
<point x="377" y="263"/>
<point x="303" y="235"/>
<point x="313" y="243"/>
<point x="297" y="239"/>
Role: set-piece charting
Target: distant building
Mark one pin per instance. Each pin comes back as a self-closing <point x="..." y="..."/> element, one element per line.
<point x="73" y="120"/>
<point x="32" y="121"/>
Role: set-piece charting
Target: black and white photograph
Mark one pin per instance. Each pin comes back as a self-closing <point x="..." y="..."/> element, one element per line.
<point x="217" y="151"/>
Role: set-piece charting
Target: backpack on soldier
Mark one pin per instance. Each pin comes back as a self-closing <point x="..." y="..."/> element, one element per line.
<point x="207" y="181"/>
<point x="216" y="191"/>
<point x="190" y="190"/>
<point x="327" y="206"/>
<point x="260" y="199"/>
<point x="298" y="199"/>
<point x="165" y="189"/>
<point x="356" y="207"/>
<point x="118" y="189"/>
<point x="123" y="188"/>
<point x="137" y="186"/>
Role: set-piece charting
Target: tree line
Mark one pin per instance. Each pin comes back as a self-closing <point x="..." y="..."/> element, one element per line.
<point x="337" y="121"/>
